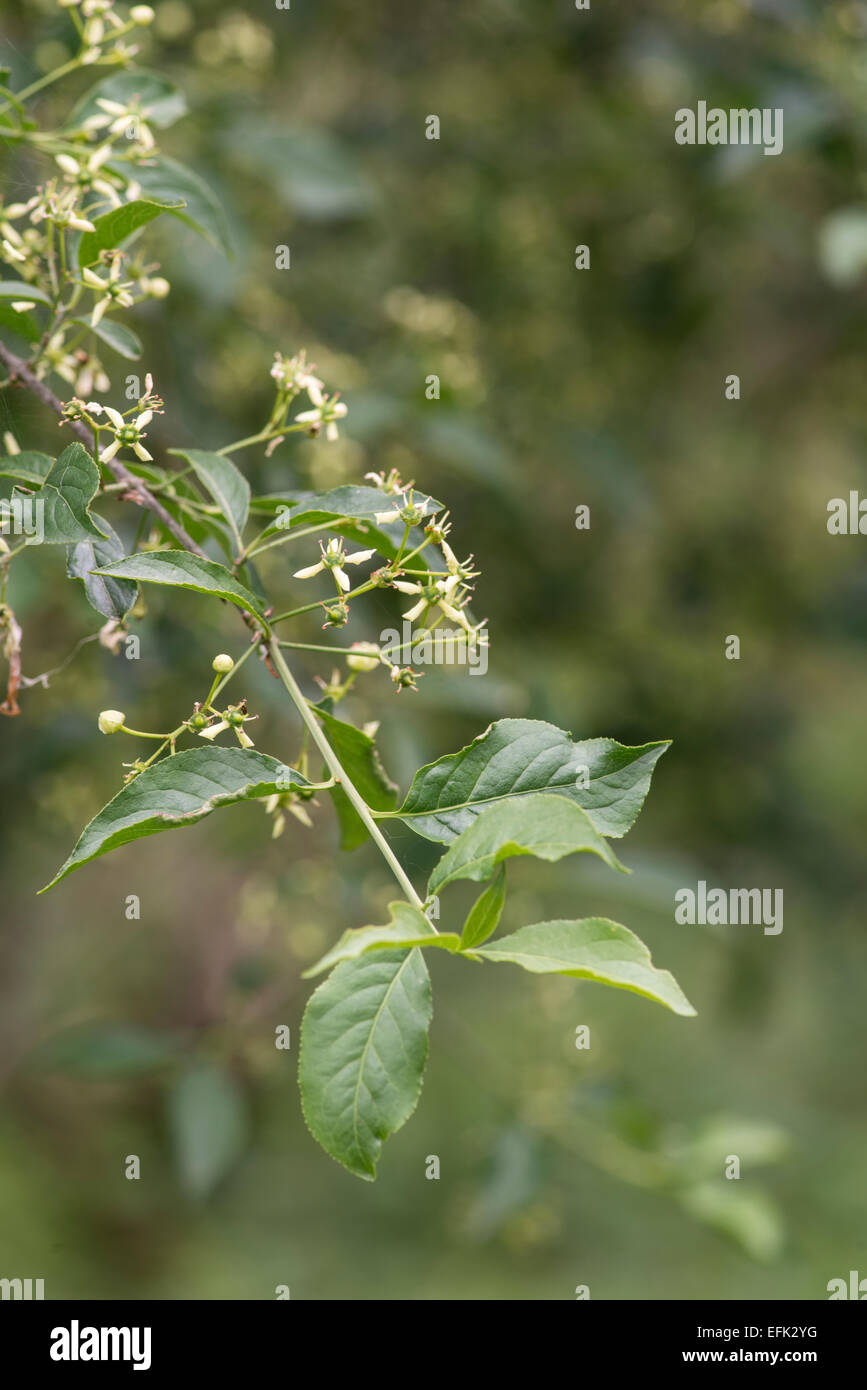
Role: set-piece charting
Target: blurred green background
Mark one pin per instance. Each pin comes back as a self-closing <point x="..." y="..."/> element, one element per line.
<point x="708" y="518"/>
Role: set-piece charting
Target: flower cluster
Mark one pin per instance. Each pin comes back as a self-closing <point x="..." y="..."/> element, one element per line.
<point x="439" y="592"/>
<point x="95" y="162"/>
<point x="294" y="375"/>
<point x="101" y="29"/>
<point x="126" y="433"/>
<point x="206" y="721"/>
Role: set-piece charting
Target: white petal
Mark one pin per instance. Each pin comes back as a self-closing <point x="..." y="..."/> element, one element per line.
<point x="141" y="452"/>
<point x="309" y="572"/>
<point x="98" y="158"/>
<point x="359" y="557"/>
<point x="214" y="730"/>
<point x="144" y="419"/>
<point x="92" y="280"/>
<point x="68" y="165"/>
<point x="115" y="417"/>
<point x="100" y="186"/>
<point x="451" y="558"/>
<point x="109" y="452"/>
<point x="342" y="578"/>
<point x="405" y="587"/>
<point x="416" y="610"/>
<point x="383" y="518"/>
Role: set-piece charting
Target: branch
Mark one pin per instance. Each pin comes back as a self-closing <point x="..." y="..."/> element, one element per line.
<point x="137" y="492"/>
<point x="340" y="775"/>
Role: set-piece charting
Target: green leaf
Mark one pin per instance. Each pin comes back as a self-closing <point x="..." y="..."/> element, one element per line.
<point x="113" y="598"/>
<point x="66" y="495"/>
<point x="19" y="289"/>
<point x="408" y="927"/>
<point x="158" y="99"/>
<point x="207" y="1122"/>
<point x="517" y="757"/>
<point x="19" y="322"/>
<point x="180" y="569"/>
<point x="351" y="511"/>
<point x="360" y="759"/>
<point x="226" y="484"/>
<point x="177" y="792"/>
<point x="104" y="1051"/>
<point x="356" y="503"/>
<point x="316" y="176"/>
<point x="364" y="1043"/>
<point x="696" y="1153"/>
<point x="591" y="949"/>
<point x="747" y="1216"/>
<point x="26" y="467"/>
<point x="115" y="227"/>
<point x="484" y="916"/>
<point x="116" y="335"/>
<point x="165" y="180"/>
<point x="547" y="826"/>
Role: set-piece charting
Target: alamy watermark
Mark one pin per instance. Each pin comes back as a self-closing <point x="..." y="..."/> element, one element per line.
<point x="25" y="1289"/>
<point x="720" y="907"/>
<point x="77" y="1343"/>
<point x="23" y="516"/>
<point x="741" y="126"/>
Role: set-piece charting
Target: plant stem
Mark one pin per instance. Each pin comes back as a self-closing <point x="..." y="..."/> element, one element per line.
<point x="324" y="602"/>
<point x="262" y="437"/>
<point x="334" y="765"/>
<point x="315" y="647"/>
<point x="18" y="97"/>
<point x="255" y="549"/>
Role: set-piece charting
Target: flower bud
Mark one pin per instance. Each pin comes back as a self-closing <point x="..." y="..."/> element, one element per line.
<point x="404" y="677"/>
<point x="363" y="657"/>
<point x="142" y="14"/>
<point x="111" y="720"/>
<point x="222" y="663"/>
<point x="336" y="616"/>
